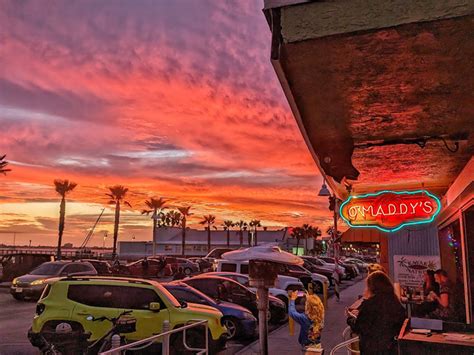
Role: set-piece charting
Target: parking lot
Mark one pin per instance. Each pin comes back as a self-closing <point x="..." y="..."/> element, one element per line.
<point x="16" y="317"/>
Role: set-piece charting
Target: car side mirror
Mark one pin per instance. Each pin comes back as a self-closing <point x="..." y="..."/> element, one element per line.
<point x="154" y="306"/>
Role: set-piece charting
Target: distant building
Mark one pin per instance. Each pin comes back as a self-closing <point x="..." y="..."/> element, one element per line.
<point x="168" y="242"/>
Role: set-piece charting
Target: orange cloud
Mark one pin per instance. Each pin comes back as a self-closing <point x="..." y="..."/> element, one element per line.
<point x="167" y="99"/>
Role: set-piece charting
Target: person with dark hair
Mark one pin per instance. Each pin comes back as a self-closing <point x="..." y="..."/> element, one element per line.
<point x="429" y="283"/>
<point x="445" y="299"/>
<point x="380" y="317"/>
<point x="430" y="287"/>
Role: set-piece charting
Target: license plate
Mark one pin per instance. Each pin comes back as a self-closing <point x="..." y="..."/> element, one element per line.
<point x="18" y="290"/>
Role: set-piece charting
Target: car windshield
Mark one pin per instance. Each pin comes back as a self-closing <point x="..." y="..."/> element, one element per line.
<point x="47" y="269"/>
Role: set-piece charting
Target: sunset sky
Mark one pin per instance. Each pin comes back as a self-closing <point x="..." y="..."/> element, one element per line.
<point x="170" y="98"/>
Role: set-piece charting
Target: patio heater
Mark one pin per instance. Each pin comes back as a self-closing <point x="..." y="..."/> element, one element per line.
<point x="263" y="272"/>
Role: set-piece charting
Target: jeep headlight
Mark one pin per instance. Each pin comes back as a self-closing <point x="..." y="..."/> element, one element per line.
<point x="15" y="281"/>
<point x="38" y="282"/>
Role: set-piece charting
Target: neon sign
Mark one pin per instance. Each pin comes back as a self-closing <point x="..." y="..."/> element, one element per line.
<point x="390" y="211"/>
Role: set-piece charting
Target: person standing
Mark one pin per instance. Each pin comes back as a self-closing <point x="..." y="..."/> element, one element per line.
<point x="311" y="321"/>
<point x="380" y="317"/>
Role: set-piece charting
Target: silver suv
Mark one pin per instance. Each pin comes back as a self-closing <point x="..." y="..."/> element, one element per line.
<point x="32" y="284"/>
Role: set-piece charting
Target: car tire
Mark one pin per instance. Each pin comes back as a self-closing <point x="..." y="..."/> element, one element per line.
<point x="188" y="271"/>
<point x="232" y="326"/>
<point x="18" y="297"/>
<point x="318" y="287"/>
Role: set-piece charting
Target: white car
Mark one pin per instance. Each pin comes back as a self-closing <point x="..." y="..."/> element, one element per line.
<point x="242" y="267"/>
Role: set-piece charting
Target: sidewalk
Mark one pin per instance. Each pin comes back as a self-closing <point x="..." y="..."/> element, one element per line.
<point x="280" y="342"/>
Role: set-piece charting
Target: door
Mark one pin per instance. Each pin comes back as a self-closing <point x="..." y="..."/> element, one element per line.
<point x="138" y="299"/>
<point x="93" y="301"/>
<point x="240" y="295"/>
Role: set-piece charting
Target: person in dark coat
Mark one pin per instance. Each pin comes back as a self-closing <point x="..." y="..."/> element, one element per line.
<point x="380" y="317"/>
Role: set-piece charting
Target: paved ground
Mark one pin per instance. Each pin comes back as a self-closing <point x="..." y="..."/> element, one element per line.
<point x="16" y="317"/>
<point x="280" y="342"/>
<point x="15" y="320"/>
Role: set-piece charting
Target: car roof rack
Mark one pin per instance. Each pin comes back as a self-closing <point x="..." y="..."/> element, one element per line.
<point x="105" y="278"/>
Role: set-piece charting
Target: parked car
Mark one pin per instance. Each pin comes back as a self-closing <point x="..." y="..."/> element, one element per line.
<point x="20" y="263"/>
<point x="102" y="266"/>
<point x="228" y="290"/>
<point x="238" y="320"/>
<point x="216" y="253"/>
<point x="32" y="284"/>
<point x="292" y="284"/>
<point x="205" y="265"/>
<point x="362" y="266"/>
<point x="283" y="282"/>
<point x="188" y="266"/>
<point x="296" y="271"/>
<point x="329" y="263"/>
<point x="146" y="267"/>
<point x="351" y="270"/>
<point x="317" y="266"/>
<point x="77" y="301"/>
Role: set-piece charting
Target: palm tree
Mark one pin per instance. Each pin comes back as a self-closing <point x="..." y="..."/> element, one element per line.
<point x="307" y="233"/>
<point x="117" y="196"/>
<point x="255" y="223"/>
<point x="184" y="214"/>
<point x="228" y="224"/>
<point x="209" y="220"/>
<point x="242" y="226"/>
<point x="63" y="187"/>
<point x="156" y="207"/>
<point x="297" y="233"/>
<point x="3" y="165"/>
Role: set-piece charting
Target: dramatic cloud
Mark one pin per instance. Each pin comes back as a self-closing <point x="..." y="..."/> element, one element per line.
<point x="170" y="98"/>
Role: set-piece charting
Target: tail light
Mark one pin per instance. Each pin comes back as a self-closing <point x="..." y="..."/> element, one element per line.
<point x="40" y="307"/>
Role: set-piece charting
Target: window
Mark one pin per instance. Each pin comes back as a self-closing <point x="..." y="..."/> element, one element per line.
<point x="125" y="297"/>
<point x="206" y="286"/>
<point x="242" y="280"/>
<point x="47" y="269"/>
<point x="73" y="268"/>
<point x="228" y="267"/>
<point x="183" y="295"/>
<point x="244" y="269"/>
<point x="469" y="238"/>
<point x="450" y="246"/>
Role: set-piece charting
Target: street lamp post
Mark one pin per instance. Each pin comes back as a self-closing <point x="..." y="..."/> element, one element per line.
<point x="263" y="272"/>
<point x="324" y="192"/>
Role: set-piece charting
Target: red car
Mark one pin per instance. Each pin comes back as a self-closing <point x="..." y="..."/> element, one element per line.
<point x="159" y="266"/>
